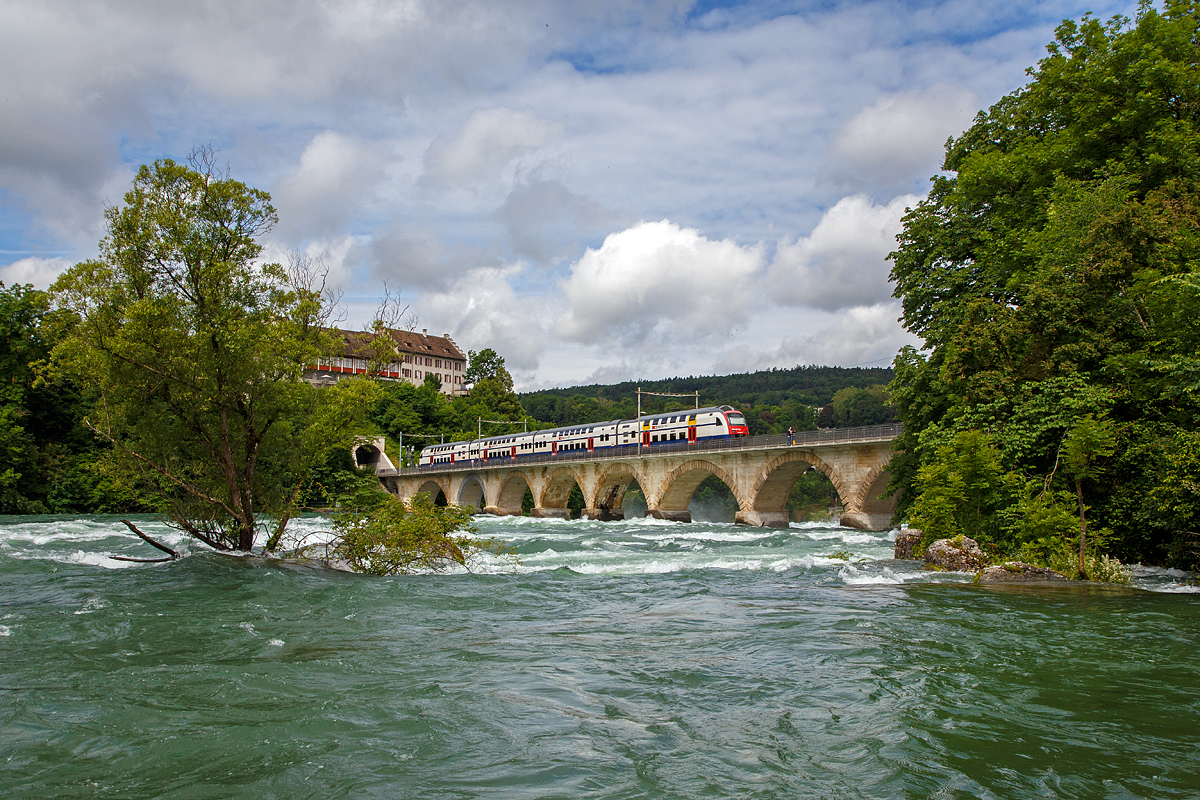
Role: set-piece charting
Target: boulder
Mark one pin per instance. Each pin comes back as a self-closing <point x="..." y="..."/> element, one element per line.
<point x="907" y="543"/>
<point x="1019" y="572"/>
<point x="960" y="554"/>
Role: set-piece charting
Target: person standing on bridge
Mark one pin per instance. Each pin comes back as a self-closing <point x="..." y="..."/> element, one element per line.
<point x="791" y="435"/>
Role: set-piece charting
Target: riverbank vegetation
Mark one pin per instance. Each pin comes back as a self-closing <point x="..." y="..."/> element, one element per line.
<point x="1053" y="273"/>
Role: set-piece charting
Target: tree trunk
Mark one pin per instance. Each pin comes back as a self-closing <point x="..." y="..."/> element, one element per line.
<point x="1082" y="527"/>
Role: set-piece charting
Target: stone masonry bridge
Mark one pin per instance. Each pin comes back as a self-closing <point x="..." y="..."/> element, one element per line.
<point x="759" y="470"/>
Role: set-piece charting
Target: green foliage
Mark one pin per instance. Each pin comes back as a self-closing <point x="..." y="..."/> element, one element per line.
<point x="960" y="489"/>
<point x="47" y="459"/>
<point x="1054" y="275"/>
<point x="852" y="406"/>
<point x="811" y="497"/>
<point x="487" y="364"/>
<point x="1041" y="523"/>
<point x="422" y="415"/>
<point x="196" y="353"/>
<point x="388" y="538"/>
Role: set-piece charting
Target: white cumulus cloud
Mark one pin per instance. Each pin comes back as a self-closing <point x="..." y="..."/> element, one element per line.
<point x="843" y="262"/>
<point x="889" y="140"/>
<point x="41" y="272"/>
<point x="658" y="280"/>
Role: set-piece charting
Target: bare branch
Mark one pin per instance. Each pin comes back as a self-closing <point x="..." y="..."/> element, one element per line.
<point x="147" y="539"/>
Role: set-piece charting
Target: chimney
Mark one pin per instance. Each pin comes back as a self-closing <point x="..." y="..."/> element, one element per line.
<point x="424" y="331"/>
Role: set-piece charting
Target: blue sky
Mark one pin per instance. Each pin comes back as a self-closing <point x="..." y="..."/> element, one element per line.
<point x="599" y="191"/>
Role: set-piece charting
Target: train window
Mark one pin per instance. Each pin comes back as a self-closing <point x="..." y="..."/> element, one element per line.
<point x="719" y="420"/>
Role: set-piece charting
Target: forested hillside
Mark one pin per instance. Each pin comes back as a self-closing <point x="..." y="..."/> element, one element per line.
<point x="773" y="400"/>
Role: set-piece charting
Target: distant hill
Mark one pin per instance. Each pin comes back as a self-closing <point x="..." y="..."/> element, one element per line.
<point x="784" y="389"/>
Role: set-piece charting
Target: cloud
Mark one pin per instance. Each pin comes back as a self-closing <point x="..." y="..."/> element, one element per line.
<point x="41" y="272"/>
<point x="481" y="309"/>
<point x="415" y="258"/>
<point x="336" y="175"/>
<point x="843" y="262"/>
<point x="486" y="144"/>
<point x="545" y="221"/>
<point x="657" y="280"/>
<point x="861" y="336"/>
<point x="885" y="143"/>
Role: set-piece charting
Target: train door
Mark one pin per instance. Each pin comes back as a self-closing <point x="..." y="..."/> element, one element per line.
<point x="692" y="429"/>
<point x="513" y="452"/>
<point x="591" y="444"/>
<point x="554" y="448"/>
<point x="451" y="458"/>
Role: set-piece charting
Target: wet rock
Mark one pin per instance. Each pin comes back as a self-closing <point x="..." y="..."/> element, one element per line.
<point x="907" y="543"/>
<point x="1019" y="572"/>
<point x="960" y="554"/>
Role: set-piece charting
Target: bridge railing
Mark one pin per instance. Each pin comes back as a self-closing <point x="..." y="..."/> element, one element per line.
<point x="860" y="435"/>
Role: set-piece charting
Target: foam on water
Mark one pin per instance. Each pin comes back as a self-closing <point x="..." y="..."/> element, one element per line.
<point x="633" y="546"/>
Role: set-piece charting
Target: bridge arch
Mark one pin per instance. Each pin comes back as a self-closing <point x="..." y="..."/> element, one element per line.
<point x="433" y="487"/>
<point x="680" y="484"/>
<point x="607" y="495"/>
<point x="774" y="483"/>
<point x="471" y="492"/>
<point x="511" y="493"/>
<point x="556" y="489"/>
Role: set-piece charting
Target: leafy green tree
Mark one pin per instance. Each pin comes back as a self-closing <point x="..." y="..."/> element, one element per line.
<point x="1086" y="446"/>
<point x="487" y="364"/>
<point x="198" y="352"/>
<point x="960" y="489"/>
<point x="389" y="537"/>
<point x="1050" y="271"/>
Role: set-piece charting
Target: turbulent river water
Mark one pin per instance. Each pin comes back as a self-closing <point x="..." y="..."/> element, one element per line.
<point x="620" y="660"/>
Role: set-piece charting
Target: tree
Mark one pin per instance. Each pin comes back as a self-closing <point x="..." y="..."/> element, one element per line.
<point x="388" y="537"/>
<point x="1088" y="443"/>
<point x="485" y="364"/>
<point x="1049" y="271"/>
<point x="198" y="352"/>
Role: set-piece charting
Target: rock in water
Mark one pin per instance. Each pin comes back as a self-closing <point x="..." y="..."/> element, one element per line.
<point x="960" y="554"/>
<point x="1019" y="572"/>
<point x="907" y="542"/>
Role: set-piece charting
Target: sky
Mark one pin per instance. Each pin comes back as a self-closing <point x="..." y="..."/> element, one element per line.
<point x="597" y="191"/>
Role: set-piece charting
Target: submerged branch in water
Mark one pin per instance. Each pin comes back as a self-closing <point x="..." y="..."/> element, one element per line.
<point x="173" y="555"/>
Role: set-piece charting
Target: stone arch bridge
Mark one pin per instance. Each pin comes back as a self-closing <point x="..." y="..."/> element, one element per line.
<point x="759" y="470"/>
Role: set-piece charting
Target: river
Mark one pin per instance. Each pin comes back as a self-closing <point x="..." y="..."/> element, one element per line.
<point x="620" y="660"/>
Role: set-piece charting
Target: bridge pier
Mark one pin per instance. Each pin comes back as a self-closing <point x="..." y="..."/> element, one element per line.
<point x="763" y="519"/>
<point x="667" y="514"/>
<point x="866" y="521"/>
<point x="550" y="513"/>
<point x="604" y="514"/>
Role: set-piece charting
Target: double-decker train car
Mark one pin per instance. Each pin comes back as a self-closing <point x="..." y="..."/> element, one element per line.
<point x="647" y="431"/>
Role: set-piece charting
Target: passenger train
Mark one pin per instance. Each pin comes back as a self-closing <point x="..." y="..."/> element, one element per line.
<point x="650" y="430"/>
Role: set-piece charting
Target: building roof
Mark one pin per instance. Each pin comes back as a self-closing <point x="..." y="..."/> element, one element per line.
<point x="406" y="342"/>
